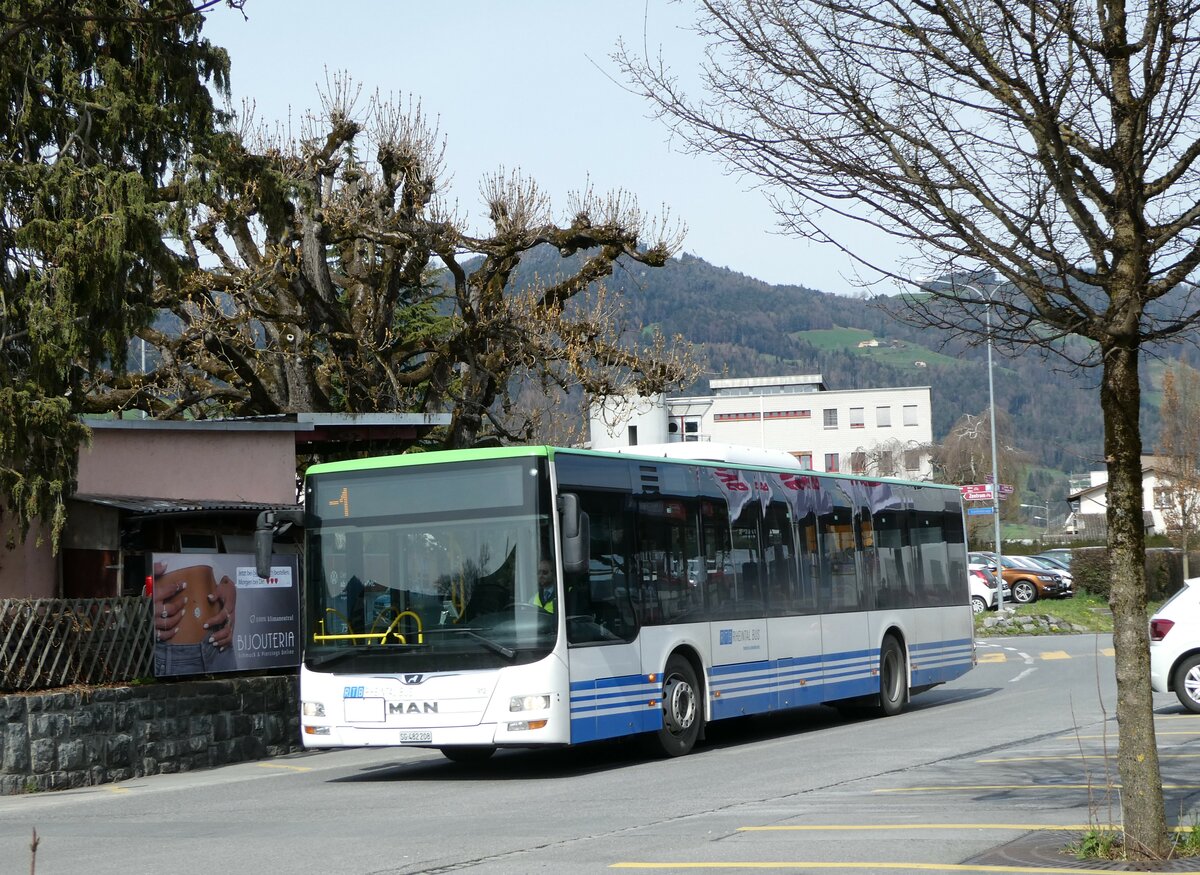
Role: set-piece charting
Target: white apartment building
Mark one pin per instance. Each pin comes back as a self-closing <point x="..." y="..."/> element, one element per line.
<point x="879" y="432"/>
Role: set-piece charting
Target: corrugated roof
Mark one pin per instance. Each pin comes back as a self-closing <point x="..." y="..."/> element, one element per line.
<point x="160" y="506"/>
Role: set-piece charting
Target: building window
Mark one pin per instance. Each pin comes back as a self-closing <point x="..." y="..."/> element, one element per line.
<point x="857" y="417"/>
<point x="858" y="463"/>
<point x="831" y="417"/>
<point x="883" y="417"/>
<point x="910" y="414"/>
<point x="831" y="461"/>
<point x="805" y="460"/>
<point x="633" y="435"/>
<point x="886" y="463"/>
<point x="735" y="417"/>
<point x="912" y="460"/>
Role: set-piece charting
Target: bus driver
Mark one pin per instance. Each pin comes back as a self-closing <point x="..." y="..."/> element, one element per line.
<point x="545" y="595"/>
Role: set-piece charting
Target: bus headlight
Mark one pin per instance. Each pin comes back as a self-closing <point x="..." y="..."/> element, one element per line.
<point x="528" y="703"/>
<point x="312" y="709"/>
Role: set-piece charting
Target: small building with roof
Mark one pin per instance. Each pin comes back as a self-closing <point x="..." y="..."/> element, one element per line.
<point x="148" y="486"/>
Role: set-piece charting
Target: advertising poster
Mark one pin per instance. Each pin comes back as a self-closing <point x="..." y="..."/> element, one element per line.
<point x="214" y="614"/>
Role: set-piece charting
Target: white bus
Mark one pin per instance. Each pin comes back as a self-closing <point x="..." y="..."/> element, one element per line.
<point x="684" y="591"/>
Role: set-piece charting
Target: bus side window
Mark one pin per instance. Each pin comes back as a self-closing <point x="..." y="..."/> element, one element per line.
<point x="805" y="599"/>
<point x="781" y="559"/>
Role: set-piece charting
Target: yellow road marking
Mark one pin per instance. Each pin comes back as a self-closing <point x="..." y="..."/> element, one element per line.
<point x="1085" y="756"/>
<point x="281" y="766"/>
<point x="901" y="867"/>
<point x="117" y="789"/>
<point x="1108" y="651"/>
<point x="948" y="787"/>
<point x="1113" y="734"/>
<point x="1055" y="654"/>
<point x="993" y="657"/>
<point x="867" y="827"/>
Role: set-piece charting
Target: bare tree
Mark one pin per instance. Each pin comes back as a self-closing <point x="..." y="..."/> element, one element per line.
<point x="965" y="457"/>
<point x="1052" y="144"/>
<point x="1179" y="454"/>
<point x="318" y="278"/>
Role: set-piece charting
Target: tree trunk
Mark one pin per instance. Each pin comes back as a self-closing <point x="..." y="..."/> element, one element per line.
<point x="1141" y="783"/>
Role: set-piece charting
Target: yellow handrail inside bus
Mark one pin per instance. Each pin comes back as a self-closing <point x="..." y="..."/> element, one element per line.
<point x="373" y="635"/>
<point x="345" y="620"/>
<point x="400" y="616"/>
<point x="458" y="590"/>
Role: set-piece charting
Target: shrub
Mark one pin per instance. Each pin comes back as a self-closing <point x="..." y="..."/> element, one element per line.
<point x="1090" y="568"/>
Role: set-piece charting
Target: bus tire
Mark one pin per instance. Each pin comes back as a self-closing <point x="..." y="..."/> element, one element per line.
<point x="468" y="755"/>
<point x="893" y="684"/>
<point x="683" y="712"/>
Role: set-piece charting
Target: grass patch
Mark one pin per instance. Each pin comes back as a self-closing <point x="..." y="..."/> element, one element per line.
<point x="1101" y="843"/>
<point x="834" y="338"/>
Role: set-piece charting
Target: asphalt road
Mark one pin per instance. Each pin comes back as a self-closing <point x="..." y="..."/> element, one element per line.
<point x="1017" y="747"/>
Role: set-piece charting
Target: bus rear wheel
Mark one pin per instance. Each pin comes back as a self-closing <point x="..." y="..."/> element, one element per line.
<point x="683" y="714"/>
<point x="893" y="685"/>
<point x="468" y="754"/>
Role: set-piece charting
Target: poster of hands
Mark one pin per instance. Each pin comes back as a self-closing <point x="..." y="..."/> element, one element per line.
<point x="214" y="614"/>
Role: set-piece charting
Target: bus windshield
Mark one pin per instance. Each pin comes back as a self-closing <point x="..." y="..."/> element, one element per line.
<point x="429" y="568"/>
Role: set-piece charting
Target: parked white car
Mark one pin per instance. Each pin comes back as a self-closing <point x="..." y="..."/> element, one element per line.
<point x="1175" y="646"/>
<point x="983" y="590"/>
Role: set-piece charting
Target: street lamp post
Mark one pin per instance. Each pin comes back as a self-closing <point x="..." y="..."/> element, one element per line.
<point x="1045" y="508"/>
<point x="987" y="312"/>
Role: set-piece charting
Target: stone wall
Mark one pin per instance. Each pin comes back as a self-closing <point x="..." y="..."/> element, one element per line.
<point x="75" y="738"/>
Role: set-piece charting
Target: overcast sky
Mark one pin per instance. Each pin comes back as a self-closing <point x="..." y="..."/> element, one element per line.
<point x="525" y="84"/>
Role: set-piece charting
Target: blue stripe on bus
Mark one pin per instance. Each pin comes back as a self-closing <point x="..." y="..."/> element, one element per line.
<point x="616" y="706"/>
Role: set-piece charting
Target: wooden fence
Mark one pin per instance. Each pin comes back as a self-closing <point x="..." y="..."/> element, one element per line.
<point x="48" y="643"/>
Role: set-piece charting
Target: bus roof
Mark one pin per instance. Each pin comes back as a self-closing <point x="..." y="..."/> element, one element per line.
<point x="700" y="453"/>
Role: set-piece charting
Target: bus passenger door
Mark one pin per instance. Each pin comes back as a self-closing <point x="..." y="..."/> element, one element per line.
<point x="793" y="624"/>
<point x="742" y="679"/>
<point x="848" y="664"/>
<point x="609" y="692"/>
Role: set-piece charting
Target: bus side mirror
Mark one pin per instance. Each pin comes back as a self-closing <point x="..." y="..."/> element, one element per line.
<point x="270" y="523"/>
<point x="576" y="533"/>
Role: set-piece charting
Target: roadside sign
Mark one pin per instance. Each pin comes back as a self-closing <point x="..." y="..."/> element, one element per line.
<point x="977" y="492"/>
<point x="1005" y="488"/>
<point x="977" y="511"/>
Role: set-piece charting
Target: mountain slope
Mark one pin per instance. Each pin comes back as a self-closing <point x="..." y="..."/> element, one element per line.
<point x="746" y="327"/>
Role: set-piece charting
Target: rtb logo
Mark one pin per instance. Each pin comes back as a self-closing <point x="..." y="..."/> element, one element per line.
<point x="353" y="692"/>
<point x="726" y="636"/>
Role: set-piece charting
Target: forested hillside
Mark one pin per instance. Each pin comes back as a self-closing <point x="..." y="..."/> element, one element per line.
<point x="750" y="328"/>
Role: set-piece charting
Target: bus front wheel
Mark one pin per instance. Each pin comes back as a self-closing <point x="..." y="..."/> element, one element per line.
<point x="893" y="685"/>
<point x="683" y="713"/>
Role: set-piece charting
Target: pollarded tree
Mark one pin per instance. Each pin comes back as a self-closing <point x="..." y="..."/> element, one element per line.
<point x="318" y="279"/>
<point x="103" y="102"/>
<point x="1053" y="144"/>
<point x="1179" y="454"/>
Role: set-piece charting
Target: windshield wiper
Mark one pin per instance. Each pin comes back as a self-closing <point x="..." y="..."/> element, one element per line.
<point x="494" y="646"/>
<point x="360" y="650"/>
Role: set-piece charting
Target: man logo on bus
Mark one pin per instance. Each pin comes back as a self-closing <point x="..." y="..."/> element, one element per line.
<point x="414" y="679"/>
<point x="412" y="707"/>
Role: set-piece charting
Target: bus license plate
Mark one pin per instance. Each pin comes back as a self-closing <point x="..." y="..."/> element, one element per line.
<point x="415" y="736"/>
